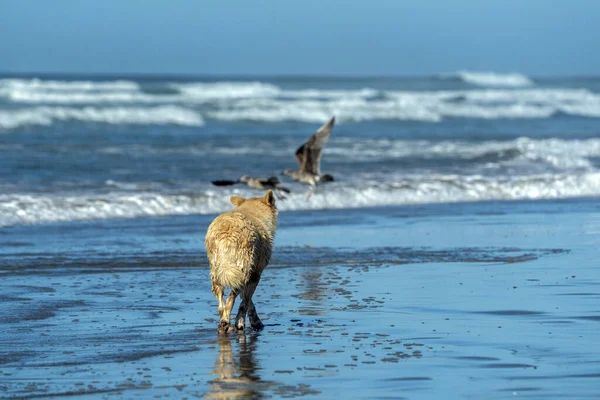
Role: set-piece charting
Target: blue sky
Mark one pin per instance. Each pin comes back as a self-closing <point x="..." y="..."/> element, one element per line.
<point x="325" y="37"/>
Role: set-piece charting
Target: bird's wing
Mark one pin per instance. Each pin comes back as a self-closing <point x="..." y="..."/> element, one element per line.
<point x="224" y="183"/>
<point x="310" y="158"/>
<point x="300" y="156"/>
<point x="312" y="162"/>
<point x="271" y="181"/>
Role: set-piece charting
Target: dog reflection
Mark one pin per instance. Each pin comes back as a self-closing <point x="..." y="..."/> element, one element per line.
<point x="312" y="288"/>
<point x="238" y="378"/>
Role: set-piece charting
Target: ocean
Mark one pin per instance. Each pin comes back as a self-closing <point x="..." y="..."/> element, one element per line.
<point x="454" y="256"/>
<point x="78" y="148"/>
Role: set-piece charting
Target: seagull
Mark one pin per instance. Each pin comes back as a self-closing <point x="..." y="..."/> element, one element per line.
<point x="309" y="159"/>
<point x="257" y="183"/>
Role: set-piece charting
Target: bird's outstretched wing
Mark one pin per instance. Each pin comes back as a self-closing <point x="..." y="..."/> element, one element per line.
<point x="273" y="181"/>
<point x="300" y="156"/>
<point x="309" y="154"/>
<point x="224" y="183"/>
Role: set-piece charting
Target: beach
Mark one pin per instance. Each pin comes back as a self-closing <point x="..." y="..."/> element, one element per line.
<point x="453" y="256"/>
<point x="468" y="300"/>
<point x="435" y="169"/>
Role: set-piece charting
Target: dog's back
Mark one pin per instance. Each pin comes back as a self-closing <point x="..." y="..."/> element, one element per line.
<point x="239" y="243"/>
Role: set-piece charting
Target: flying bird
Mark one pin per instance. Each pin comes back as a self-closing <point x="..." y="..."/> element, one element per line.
<point x="309" y="159"/>
<point x="257" y="183"/>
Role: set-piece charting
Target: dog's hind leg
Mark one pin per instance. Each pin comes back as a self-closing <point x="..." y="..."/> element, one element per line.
<point x="246" y="295"/>
<point x="226" y="316"/>
<point x="218" y="292"/>
<point x="255" y="321"/>
<point x="240" y="318"/>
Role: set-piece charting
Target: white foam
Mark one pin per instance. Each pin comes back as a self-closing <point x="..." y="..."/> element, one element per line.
<point x="76" y="92"/>
<point x="34" y="208"/>
<point x="448" y="189"/>
<point x="262" y="102"/>
<point x="330" y="94"/>
<point x="66" y="86"/>
<point x="111" y="115"/>
<point x="485" y="78"/>
<point x="67" y="92"/>
<point x="225" y="90"/>
<point x="416" y="106"/>
<point x="36" y="97"/>
<point x="362" y="110"/>
<point x="541" y="96"/>
<point x="29" y="209"/>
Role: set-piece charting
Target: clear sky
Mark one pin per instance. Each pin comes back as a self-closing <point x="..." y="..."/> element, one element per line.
<point x="325" y="37"/>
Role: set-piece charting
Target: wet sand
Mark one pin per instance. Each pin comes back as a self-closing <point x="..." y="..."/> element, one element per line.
<point x="486" y="300"/>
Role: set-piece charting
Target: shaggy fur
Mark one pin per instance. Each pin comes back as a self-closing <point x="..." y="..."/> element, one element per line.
<point x="239" y="244"/>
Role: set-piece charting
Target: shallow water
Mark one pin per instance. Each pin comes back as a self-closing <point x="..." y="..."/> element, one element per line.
<point x="484" y="300"/>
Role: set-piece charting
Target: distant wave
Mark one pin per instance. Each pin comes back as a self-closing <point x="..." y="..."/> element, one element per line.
<point x="74" y="92"/>
<point x="57" y="92"/>
<point x="426" y="106"/>
<point x="19" y="209"/>
<point x="491" y="78"/>
<point x="225" y="90"/>
<point x="192" y="102"/>
<point x="110" y="115"/>
<point x="66" y="86"/>
<point x="85" y="97"/>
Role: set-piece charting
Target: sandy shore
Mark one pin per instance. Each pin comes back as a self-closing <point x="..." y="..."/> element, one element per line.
<point x="487" y="300"/>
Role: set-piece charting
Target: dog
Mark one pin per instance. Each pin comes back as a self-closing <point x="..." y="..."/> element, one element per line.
<point x="239" y="244"/>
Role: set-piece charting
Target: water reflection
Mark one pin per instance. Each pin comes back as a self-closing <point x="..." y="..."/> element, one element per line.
<point x="237" y="369"/>
<point x="312" y="287"/>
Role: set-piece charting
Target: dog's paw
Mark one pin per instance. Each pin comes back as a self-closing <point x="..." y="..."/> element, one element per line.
<point x="223" y="326"/>
<point x="240" y="325"/>
<point x="258" y="325"/>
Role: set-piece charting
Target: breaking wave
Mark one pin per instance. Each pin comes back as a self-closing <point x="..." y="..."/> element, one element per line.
<point x="9" y="85"/>
<point x="426" y="106"/>
<point x="225" y="90"/>
<point x="160" y="115"/>
<point x="44" y="102"/>
<point x="492" y="78"/>
<point x="18" y="209"/>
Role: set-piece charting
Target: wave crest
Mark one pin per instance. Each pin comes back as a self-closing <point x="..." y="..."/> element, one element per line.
<point x="30" y="209"/>
<point x="110" y="115"/>
<point x="484" y="78"/>
<point x="7" y="85"/>
<point x="266" y="102"/>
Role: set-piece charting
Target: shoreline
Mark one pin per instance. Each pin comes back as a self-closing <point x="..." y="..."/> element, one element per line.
<point x="482" y="300"/>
